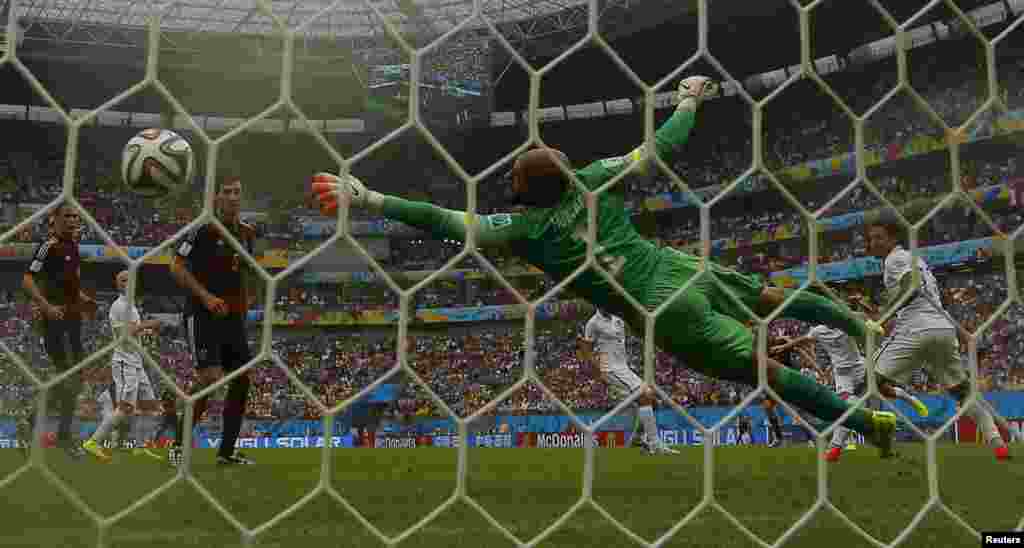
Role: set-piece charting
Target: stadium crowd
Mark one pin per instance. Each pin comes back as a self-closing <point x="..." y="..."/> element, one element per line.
<point x="468" y="370"/>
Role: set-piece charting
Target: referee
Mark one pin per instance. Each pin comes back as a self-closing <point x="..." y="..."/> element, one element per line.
<point x="215" y="276"/>
<point x="53" y="282"/>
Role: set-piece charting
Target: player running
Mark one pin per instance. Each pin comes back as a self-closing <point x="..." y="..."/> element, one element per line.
<point x="130" y="379"/>
<point x="850" y="375"/>
<point x="923" y="333"/>
<point x="216" y="278"/>
<point x="604" y="341"/>
<point x="700" y="327"/>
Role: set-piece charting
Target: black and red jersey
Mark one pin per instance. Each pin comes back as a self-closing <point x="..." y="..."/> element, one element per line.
<point x="55" y="268"/>
<point x="217" y="266"/>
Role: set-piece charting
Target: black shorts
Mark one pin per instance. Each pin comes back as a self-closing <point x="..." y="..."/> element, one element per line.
<point x="218" y="341"/>
<point x="62" y="340"/>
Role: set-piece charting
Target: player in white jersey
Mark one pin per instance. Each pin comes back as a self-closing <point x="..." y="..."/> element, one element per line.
<point x="130" y="380"/>
<point x="923" y="333"/>
<point x="604" y="338"/>
<point x="848" y="369"/>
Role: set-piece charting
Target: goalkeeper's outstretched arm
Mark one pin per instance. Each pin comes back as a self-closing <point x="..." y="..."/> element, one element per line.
<point x="674" y="133"/>
<point x="491" y="230"/>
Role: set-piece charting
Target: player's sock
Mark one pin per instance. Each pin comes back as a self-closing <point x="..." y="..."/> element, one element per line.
<point x="813" y="308"/>
<point x="986" y="424"/>
<point x="66" y="407"/>
<point x="839" y="436"/>
<point x="108" y="424"/>
<point x="821" y="402"/>
<point x="197" y="415"/>
<point x="1014" y="429"/>
<point x="234" y="409"/>
<point x="159" y="432"/>
<point x="646" y="416"/>
<point x="631" y="438"/>
<point x="910" y="399"/>
<point x="776" y="424"/>
<point x="137" y="435"/>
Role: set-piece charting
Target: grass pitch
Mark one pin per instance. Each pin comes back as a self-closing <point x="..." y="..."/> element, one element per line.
<point x="526" y="490"/>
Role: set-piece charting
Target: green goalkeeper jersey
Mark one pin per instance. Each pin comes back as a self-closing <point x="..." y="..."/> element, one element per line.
<point x="554" y="239"/>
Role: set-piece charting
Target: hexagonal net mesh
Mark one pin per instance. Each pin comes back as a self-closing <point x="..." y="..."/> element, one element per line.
<point x="806" y="71"/>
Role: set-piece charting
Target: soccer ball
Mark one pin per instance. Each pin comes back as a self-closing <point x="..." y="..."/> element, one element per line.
<point x="157" y="162"/>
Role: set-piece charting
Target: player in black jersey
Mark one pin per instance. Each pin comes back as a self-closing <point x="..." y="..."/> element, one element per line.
<point x="53" y="281"/>
<point x="216" y="278"/>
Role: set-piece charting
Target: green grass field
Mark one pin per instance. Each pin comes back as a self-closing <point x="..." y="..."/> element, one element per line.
<point x="525" y="490"/>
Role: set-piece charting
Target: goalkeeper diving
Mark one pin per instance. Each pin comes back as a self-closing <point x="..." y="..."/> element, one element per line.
<point x="702" y="326"/>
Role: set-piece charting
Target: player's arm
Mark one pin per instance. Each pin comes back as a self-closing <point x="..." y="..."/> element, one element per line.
<point x="586" y="350"/>
<point x="668" y="139"/>
<point x="82" y="295"/>
<point x="491" y="230"/>
<point x="586" y="343"/>
<point x="28" y="282"/>
<point x="249" y="275"/>
<point x="184" y="277"/>
<point x="121" y="323"/>
<point x="799" y="342"/>
<point x="865" y="304"/>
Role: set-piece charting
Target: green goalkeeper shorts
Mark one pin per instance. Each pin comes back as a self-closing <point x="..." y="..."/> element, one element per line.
<point x="704" y="325"/>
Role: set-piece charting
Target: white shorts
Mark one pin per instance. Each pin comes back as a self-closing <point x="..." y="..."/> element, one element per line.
<point x="132" y="383"/>
<point x="852" y="380"/>
<point x="935" y="350"/>
<point x="620" y="378"/>
<point x="105" y="401"/>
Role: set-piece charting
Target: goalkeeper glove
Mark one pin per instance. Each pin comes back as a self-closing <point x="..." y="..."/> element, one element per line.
<point x="693" y="90"/>
<point x="329" y="188"/>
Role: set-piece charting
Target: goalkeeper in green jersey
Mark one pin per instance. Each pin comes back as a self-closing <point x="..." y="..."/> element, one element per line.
<point x="702" y="326"/>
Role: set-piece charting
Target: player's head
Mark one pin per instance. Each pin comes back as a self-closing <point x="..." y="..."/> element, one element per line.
<point x="535" y="179"/>
<point x="65" y="220"/>
<point x="229" y="195"/>
<point x="121" y="281"/>
<point x="883" y="236"/>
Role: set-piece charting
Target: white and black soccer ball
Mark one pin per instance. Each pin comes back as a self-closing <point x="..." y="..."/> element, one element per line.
<point x="157" y="162"/>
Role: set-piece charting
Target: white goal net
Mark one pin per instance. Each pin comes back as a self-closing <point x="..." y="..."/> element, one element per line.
<point x="290" y="27"/>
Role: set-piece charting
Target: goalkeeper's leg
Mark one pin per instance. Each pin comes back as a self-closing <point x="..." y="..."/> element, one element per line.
<point x="720" y="346"/>
<point x="763" y="299"/>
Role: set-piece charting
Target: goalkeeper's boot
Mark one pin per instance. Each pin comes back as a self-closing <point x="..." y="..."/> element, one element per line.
<point x="1002" y="453"/>
<point x="90" y="446"/>
<point x="883" y="429"/>
<point x="145" y="452"/>
<point x="919" y="407"/>
<point x="833" y="454"/>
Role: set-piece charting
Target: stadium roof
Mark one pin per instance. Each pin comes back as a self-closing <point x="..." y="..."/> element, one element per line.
<point x="344" y="18"/>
